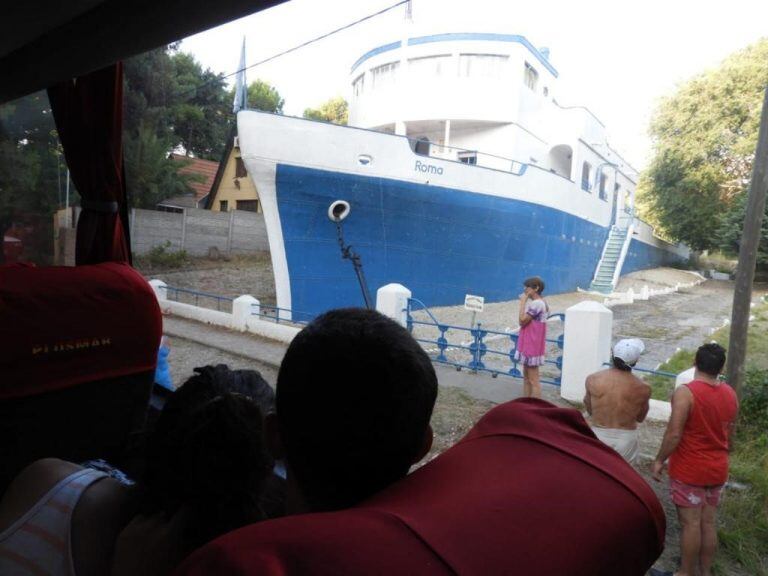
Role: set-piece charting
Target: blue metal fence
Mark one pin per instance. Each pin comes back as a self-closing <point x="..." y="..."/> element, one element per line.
<point x="670" y="375"/>
<point x="174" y="292"/>
<point x="224" y="304"/>
<point x="277" y="315"/>
<point x="655" y="372"/>
<point x="474" y="353"/>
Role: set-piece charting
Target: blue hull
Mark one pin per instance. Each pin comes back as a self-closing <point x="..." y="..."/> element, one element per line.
<point x="642" y="256"/>
<point x="441" y="243"/>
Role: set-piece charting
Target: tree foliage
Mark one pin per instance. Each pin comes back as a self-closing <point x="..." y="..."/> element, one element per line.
<point x="704" y="137"/>
<point x="263" y="96"/>
<point x="152" y="176"/>
<point x="731" y="224"/>
<point x="170" y="103"/>
<point x="30" y="183"/>
<point x="335" y="110"/>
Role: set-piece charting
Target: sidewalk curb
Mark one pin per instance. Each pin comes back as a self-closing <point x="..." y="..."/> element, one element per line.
<point x="171" y="327"/>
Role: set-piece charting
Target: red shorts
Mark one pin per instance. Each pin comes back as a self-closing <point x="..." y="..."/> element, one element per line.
<point x="689" y="496"/>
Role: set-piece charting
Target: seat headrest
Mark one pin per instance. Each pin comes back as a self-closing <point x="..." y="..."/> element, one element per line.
<point x="62" y="326"/>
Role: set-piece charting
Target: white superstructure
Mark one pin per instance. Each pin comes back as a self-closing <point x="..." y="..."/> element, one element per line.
<point x="486" y="99"/>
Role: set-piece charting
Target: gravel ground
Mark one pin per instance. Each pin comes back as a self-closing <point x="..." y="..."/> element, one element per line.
<point x="186" y="355"/>
<point x="230" y="278"/>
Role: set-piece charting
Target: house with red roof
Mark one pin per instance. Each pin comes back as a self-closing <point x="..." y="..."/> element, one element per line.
<point x="201" y="186"/>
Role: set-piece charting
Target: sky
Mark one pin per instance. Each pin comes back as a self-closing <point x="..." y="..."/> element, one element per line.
<point x="617" y="58"/>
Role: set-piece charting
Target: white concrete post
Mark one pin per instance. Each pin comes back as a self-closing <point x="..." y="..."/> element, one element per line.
<point x="243" y="307"/>
<point x="685" y="377"/>
<point x="392" y="301"/>
<point x="586" y="346"/>
<point x="160" y="289"/>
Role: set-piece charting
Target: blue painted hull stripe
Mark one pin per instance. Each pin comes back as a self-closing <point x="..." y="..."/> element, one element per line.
<point x="441" y="243"/>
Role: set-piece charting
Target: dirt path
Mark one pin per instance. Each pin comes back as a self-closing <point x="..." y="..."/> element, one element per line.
<point x="683" y="319"/>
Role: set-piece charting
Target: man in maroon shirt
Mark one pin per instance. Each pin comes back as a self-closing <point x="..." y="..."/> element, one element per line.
<point x="697" y="442"/>
<point x="528" y="491"/>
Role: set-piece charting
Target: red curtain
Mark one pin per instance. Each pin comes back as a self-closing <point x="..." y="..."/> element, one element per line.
<point x="89" y="119"/>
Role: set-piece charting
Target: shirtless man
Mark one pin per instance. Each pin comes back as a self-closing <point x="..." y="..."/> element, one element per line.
<point x="617" y="400"/>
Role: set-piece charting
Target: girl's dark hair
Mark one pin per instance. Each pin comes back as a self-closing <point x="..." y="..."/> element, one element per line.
<point x="206" y="457"/>
<point x="534" y="282"/>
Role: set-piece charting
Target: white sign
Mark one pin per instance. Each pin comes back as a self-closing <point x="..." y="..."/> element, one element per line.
<point x="474" y="303"/>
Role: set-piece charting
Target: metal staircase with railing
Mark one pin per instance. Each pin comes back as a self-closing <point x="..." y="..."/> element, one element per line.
<point x="606" y="269"/>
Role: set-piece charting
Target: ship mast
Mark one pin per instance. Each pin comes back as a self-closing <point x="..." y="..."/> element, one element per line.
<point x="402" y="91"/>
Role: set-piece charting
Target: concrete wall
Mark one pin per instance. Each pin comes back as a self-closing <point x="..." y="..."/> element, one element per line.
<point x="197" y="231"/>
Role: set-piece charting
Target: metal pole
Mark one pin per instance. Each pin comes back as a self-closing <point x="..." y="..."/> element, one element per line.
<point x="66" y="202"/>
<point x="745" y="272"/>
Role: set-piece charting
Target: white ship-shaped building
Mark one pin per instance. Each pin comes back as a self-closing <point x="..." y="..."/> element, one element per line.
<point x="459" y="173"/>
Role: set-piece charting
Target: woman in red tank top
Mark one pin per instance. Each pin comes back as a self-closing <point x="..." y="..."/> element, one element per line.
<point x="701" y="457"/>
<point x="697" y="442"/>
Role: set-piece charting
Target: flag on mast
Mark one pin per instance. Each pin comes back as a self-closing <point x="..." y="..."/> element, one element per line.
<point x="241" y="86"/>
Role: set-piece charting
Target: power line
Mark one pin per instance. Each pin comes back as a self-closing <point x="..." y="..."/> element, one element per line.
<point x="322" y="37"/>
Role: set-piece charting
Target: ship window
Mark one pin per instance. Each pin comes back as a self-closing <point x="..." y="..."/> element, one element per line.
<point x="384" y="74"/>
<point x="531" y="76"/>
<point x="224" y="205"/>
<point x="422" y="146"/>
<point x="468" y="157"/>
<point x="481" y="65"/>
<point x="585" y="170"/>
<point x="603" y="184"/>
<point x="240" y="171"/>
<point x="431" y="65"/>
<point x="358" y="84"/>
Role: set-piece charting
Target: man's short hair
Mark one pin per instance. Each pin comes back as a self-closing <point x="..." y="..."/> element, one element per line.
<point x="355" y="394"/>
<point x="710" y="358"/>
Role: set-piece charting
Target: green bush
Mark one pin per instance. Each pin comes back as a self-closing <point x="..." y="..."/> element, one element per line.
<point x="744" y="516"/>
<point x="161" y="257"/>
<point x="754" y="401"/>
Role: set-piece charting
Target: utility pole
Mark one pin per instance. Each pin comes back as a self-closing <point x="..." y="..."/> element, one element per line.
<point x="745" y="272"/>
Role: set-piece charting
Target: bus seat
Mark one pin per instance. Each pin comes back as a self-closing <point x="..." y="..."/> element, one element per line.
<point x="78" y="348"/>
<point x="529" y="490"/>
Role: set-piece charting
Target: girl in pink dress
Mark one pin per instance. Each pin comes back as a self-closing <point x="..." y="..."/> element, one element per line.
<point x="531" y="342"/>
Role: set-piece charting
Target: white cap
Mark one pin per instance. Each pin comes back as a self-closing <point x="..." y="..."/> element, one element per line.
<point x="629" y="350"/>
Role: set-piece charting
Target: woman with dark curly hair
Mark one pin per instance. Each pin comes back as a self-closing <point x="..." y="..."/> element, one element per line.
<point x="206" y="466"/>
